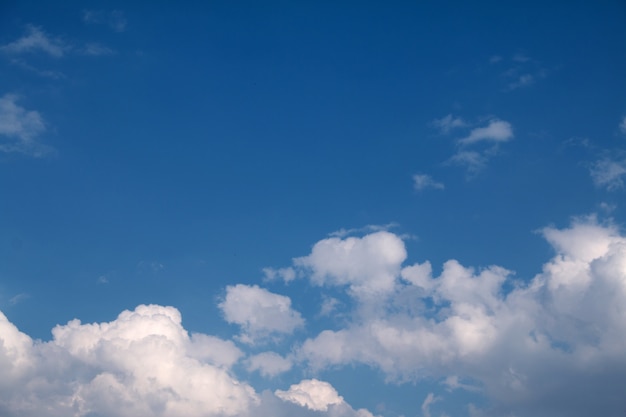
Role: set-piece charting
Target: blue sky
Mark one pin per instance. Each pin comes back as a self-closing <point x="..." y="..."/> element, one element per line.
<point x="356" y="209"/>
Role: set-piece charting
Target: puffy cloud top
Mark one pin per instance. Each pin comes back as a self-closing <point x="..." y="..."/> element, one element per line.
<point x="368" y="265"/>
<point x="260" y="313"/>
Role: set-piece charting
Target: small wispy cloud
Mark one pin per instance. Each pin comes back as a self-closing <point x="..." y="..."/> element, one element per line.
<point x="424" y="181"/>
<point x="522" y="71"/>
<point x="95" y="49"/>
<point x="609" y="173"/>
<point x="20" y="128"/>
<point x="428" y="401"/>
<point x="36" y="40"/>
<point x="18" y="298"/>
<point x="495" y="131"/>
<point x="115" y="19"/>
<point x="622" y="125"/>
<point x="55" y="75"/>
<point x="473" y="161"/>
<point x="448" y="123"/>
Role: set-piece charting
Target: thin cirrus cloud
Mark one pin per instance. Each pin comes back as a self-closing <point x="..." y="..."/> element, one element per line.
<point x="20" y="128"/>
<point x="609" y="173"/>
<point x="36" y="40"/>
<point x="480" y="145"/>
<point x="448" y="123"/>
<point x="423" y="181"/>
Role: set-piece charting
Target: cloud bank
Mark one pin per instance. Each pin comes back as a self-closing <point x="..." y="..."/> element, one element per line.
<point x="550" y="346"/>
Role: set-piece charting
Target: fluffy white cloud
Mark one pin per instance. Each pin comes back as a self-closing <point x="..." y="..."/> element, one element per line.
<point x="142" y="363"/>
<point x="609" y="173"/>
<point x="423" y="181"/>
<point x="311" y="393"/>
<point x="495" y="131"/>
<point x="368" y="265"/>
<point x="259" y="312"/>
<point x="36" y="40"/>
<point x="553" y="346"/>
<point x="20" y="127"/>
<point x="268" y="364"/>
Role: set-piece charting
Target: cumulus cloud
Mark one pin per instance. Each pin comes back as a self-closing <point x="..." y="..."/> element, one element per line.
<point x="259" y="313"/>
<point x="553" y="346"/>
<point x="268" y="364"/>
<point x="143" y="363"/>
<point x="36" y="40"/>
<point x="312" y="394"/>
<point x="423" y="181"/>
<point x="19" y="128"/>
<point x="496" y="131"/>
<point x="608" y="173"/>
<point x="448" y="123"/>
<point x="367" y="265"/>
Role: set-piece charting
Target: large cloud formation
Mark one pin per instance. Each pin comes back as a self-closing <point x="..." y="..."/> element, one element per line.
<point x="550" y="346"/>
<point x="144" y="363"/>
<point x="554" y="346"/>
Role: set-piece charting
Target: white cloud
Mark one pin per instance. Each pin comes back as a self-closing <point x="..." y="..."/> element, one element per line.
<point x="496" y="131"/>
<point x="268" y="364"/>
<point x="286" y="274"/>
<point x="36" y="40"/>
<point x="368" y="265"/>
<point x="21" y="127"/>
<point x="142" y="363"/>
<point x="311" y="393"/>
<point x="553" y="346"/>
<point x="448" y="123"/>
<point x="609" y="173"/>
<point x="473" y="161"/>
<point x="428" y="401"/>
<point x="622" y="125"/>
<point x="259" y="312"/>
<point x="423" y="181"/>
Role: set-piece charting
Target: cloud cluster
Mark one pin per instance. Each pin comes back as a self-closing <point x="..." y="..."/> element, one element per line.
<point x="473" y="151"/>
<point x="144" y="363"/>
<point x="552" y="346"/>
